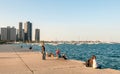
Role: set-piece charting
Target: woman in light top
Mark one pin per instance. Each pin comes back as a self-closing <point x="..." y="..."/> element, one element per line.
<point x="94" y="65"/>
<point x="92" y="62"/>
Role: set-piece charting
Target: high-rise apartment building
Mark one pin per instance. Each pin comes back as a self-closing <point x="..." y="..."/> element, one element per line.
<point x="8" y="34"/>
<point x="0" y="36"/>
<point x="17" y="33"/>
<point x="12" y="34"/>
<point x="37" y="35"/>
<point x="3" y="33"/>
<point x="28" y="31"/>
<point x="20" y="33"/>
<point x="23" y="34"/>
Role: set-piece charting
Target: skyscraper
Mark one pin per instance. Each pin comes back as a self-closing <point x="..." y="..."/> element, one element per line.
<point x="8" y="34"/>
<point x="28" y="31"/>
<point x="12" y="34"/>
<point x="17" y="33"/>
<point x="37" y="35"/>
<point x="23" y="34"/>
<point x="4" y="34"/>
<point x="20" y="33"/>
<point x="0" y="36"/>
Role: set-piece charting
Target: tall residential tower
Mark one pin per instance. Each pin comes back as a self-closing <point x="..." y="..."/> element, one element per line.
<point x="28" y="31"/>
<point x="37" y="35"/>
<point x="21" y="32"/>
<point x="8" y="34"/>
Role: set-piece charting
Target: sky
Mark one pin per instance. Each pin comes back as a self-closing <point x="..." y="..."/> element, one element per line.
<point x="65" y="19"/>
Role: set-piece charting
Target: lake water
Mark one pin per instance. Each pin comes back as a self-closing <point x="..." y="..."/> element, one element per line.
<point x="108" y="55"/>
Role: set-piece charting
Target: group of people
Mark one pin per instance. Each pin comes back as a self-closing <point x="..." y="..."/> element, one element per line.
<point x="58" y="55"/>
<point x="89" y="63"/>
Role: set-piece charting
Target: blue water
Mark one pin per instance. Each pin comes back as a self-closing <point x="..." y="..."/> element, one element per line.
<point x="108" y="55"/>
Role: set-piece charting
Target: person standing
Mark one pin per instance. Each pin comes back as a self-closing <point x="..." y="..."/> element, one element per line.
<point x="43" y="52"/>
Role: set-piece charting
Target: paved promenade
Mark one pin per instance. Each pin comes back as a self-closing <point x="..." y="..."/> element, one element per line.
<point x="16" y="60"/>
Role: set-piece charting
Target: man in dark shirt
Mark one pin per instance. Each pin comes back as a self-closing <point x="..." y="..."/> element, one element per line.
<point x="43" y="52"/>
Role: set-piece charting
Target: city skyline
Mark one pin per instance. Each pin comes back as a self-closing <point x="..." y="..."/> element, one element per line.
<point x="65" y="20"/>
<point x="24" y="34"/>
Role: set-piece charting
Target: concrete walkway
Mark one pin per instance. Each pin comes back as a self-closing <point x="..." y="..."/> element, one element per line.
<point x="14" y="60"/>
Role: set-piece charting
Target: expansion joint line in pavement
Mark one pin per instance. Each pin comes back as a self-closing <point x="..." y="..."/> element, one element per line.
<point x="23" y="61"/>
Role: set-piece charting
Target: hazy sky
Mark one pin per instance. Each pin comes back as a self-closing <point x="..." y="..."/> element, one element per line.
<point x="65" y="19"/>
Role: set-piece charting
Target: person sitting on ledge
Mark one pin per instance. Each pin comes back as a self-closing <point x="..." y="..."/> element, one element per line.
<point x="64" y="57"/>
<point x="92" y="63"/>
<point x="49" y="54"/>
<point x="30" y="47"/>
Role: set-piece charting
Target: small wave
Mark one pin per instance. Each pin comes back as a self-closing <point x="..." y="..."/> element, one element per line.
<point x="117" y="56"/>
